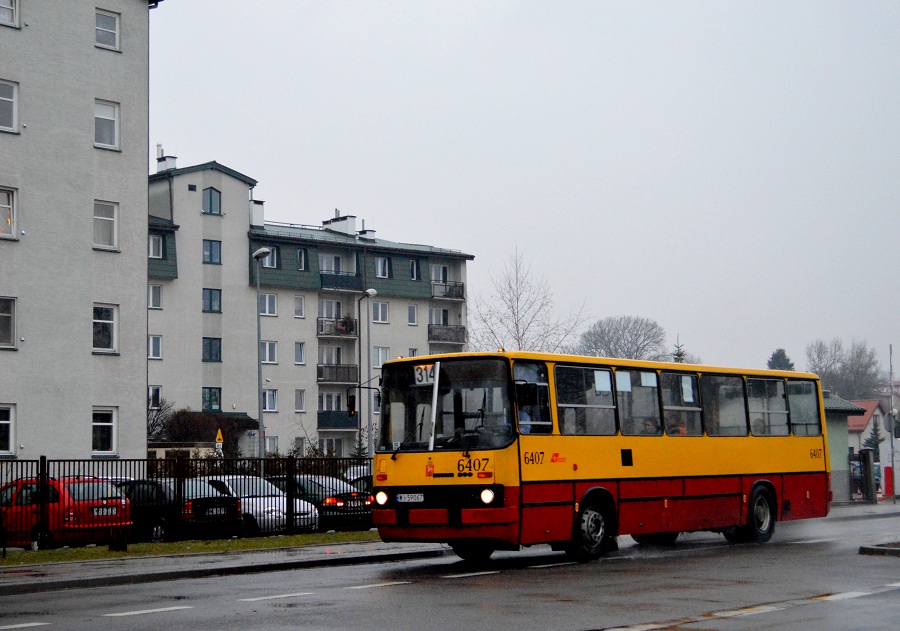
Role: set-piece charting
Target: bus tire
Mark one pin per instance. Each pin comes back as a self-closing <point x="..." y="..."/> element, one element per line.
<point x="592" y="534"/>
<point x="656" y="538"/>
<point x="760" y="519"/>
<point x="472" y="551"/>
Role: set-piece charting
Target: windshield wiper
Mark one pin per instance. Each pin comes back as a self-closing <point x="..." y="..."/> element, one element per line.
<point x="411" y="433"/>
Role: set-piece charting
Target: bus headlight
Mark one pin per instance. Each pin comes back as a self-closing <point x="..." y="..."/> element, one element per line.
<point x="487" y="496"/>
<point x="381" y="498"/>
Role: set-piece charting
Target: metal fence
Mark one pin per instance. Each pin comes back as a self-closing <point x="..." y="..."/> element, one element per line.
<point x="74" y="502"/>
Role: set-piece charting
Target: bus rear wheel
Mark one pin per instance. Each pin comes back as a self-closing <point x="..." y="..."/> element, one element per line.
<point x="760" y="519"/>
<point x="593" y="534"/>
<point x="472" y="551"/>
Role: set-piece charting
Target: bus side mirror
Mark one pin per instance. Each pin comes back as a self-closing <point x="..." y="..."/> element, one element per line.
<point x="526" y="394"/>
<point x="377" y="399"/>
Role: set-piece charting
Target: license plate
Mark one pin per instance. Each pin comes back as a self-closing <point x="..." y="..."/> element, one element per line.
<point x="219" y="510"/>
<point x="106" y="510"/>
<point x="410" y="497"/>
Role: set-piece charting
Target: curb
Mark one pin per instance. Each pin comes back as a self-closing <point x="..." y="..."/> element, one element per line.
<point x="168" y="575"/>
<point x="885" y="550"/>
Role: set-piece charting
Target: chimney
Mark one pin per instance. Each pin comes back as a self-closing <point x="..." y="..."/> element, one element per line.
<point x="257" y="212"/>
<point x="345" y="224"/>
<point x="163" y="162"/>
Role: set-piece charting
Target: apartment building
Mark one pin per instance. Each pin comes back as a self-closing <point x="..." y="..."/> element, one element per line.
<point x="73" y="228"/>
<point x="335" y="302"/>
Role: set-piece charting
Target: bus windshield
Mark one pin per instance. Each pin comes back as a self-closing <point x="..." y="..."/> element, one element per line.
<point x="446" y="405"/>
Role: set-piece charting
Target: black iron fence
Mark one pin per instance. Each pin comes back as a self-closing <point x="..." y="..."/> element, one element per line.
<point x="46" y="503"/>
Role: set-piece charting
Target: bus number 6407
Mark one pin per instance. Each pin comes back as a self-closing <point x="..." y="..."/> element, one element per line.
<point x="534" y="457"/>
<point x="468" y="465"/>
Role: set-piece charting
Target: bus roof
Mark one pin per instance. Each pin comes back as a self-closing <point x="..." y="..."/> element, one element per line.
<point x="612" y="361"/>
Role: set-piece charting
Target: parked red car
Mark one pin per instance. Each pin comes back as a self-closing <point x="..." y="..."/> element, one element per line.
<point x="79" y="510"/>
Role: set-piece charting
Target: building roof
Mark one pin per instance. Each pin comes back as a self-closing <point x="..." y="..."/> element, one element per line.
<point x="206" y="166"/>
<point x="842" y="406"/>
<point x="858" y="423"/>
<point x="314" y="234"/>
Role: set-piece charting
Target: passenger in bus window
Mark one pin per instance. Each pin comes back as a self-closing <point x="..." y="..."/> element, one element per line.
<point x="651" y="427"/>
<point x="759" y="427"/>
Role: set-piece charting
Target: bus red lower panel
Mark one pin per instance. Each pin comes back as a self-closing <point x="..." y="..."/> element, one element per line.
<point x="804" y="496"/>
<point x="505" y="532"/>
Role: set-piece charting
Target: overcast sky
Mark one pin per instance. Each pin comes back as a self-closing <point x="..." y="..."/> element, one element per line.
<point x="730" y="170"/>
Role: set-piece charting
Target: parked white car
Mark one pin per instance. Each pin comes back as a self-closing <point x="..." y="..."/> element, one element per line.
<point x="264" y="506"/>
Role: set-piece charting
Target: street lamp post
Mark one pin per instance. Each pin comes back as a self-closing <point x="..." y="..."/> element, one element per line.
<point x="259" y="255"/>
<point x="369" y="293"/>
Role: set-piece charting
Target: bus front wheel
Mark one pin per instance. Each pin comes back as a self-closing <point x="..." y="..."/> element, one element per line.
<point x="592" y="535"/>
<point x="472" y="551"/>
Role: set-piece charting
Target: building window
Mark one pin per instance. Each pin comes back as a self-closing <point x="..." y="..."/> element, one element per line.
<point x="7" y="213"/>
<point x="154" y="296"/>
<point x="154" y="397"/>
<point x="413" y="352"/>
<point x="212" y="201"/>
<point x="412" y="315"/>
<point x="440" y="317"/>
<point x="7" y="419"/>
<point x="212" y="300"/>
<point x="332" y="447"/>
<point x="7" y="322"/>
<point x="380" y="354"/>
<point x="415" y="271"/>
<point x="270" y="400"/>
<point x="268" y="304"/>
<point x="155" y="248"/>
<point x="107" y="30"/>
<point x="154" y="347"/>
<point x="105" y="327"/>
<point x="329" y="401"/>
<point x="212" y="399"/>
<point x="271" y="444"/>
<point x="299" y="352"/>
<point x="8" y="105"/>
<point x="269" y="352"/>
<point x="271" y="261"/>
<point x="105" y="231"/>
<point x="330" y="309"/>
<point x="299" y="306"/>
<point x="299" y="400"/>
<point x="330" y="264"/>
<point x="212" y="252"/>
<point x="212" y="349"/>
<point x="106" y="124"/>
<point x="440" y="273"/>
<point x="9" y="13"/>
<point x="382" y="267"/>
<point x="380" y="312"/>
<point x="103" y="434"/>
<point x="331" y="355"/>
<point x="302" y="259"/>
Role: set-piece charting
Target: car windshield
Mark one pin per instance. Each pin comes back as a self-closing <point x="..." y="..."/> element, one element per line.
<point x="82" y="491"/>
<point x="446" y="405"/>
<point x="253" y="487"/>
<point x="326" y="485"/>
<point x="194" y="488"/>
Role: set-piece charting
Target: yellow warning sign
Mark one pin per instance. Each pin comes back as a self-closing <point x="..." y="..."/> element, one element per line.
<point x="219" y="437"/>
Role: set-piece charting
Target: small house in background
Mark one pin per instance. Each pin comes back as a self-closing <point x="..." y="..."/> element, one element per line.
<point x="838" y="414"/>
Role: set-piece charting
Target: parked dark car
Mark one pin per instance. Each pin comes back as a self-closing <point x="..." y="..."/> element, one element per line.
<point x="202" y="513"/>
<point x="79" y="509"/>
<point x="341" y="505"/>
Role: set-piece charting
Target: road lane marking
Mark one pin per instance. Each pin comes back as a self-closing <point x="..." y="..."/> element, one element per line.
<point x="144" y="611"/>
<point x="470" y="574"/>
<point x="25" y="625"/>
<point x="843" y="596"/>
<point x="746" y="611"/>
<point x="251" y="600"/>
<point x="805" y="541"/>
<point x="379" y="585"/>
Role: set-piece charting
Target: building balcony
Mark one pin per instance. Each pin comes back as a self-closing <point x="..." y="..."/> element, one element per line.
<point x="337" y="419"/>
<point x="448" y="290"/>
<point x="341" y="281"/>
<point x="446" y="334"/>
<point x="337" y="327"/>
<point x="337" y="373"/>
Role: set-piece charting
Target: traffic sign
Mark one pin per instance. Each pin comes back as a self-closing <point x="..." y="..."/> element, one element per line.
<point x="219" y="437"/>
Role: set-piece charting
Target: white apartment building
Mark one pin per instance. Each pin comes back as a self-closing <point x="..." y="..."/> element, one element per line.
<point x="73" y="230"/>
<point x="322" y="334"/>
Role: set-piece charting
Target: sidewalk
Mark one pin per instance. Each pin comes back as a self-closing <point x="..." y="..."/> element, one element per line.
<point x="23" y="579"/>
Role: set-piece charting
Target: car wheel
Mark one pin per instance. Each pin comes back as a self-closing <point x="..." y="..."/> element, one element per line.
<point x="158" y="532"/>
<point x="251" y="527"/>
<point x="472" y="551"/>
<point x="41" y="539"/>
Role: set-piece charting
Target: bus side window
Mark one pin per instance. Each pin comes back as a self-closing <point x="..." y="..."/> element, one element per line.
<point x="804" y="408"/>
<point x="636" y="394"/>
<point x="533" y="398"/>
<point x="724" y="411"/>
<point x="584" y="401"/>
<point x="681" y="404"/>
<point x="766" y="401"/>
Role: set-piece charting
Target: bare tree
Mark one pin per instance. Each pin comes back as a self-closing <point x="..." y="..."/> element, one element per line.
<point x="851" y="374"/>
<point x="520" y="314"/>
<point x="626" y="337"/>
<point x="158" y="418"/>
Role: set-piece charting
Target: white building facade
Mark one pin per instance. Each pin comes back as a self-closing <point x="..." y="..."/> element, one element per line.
<point x="322" y="334"/>
<point x="73" y="230"/>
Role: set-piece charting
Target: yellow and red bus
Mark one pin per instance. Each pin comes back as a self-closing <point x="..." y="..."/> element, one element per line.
<point x="496" y="451"/>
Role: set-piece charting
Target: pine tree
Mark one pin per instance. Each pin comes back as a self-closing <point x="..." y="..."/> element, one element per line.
<point x="874" y="440"/>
